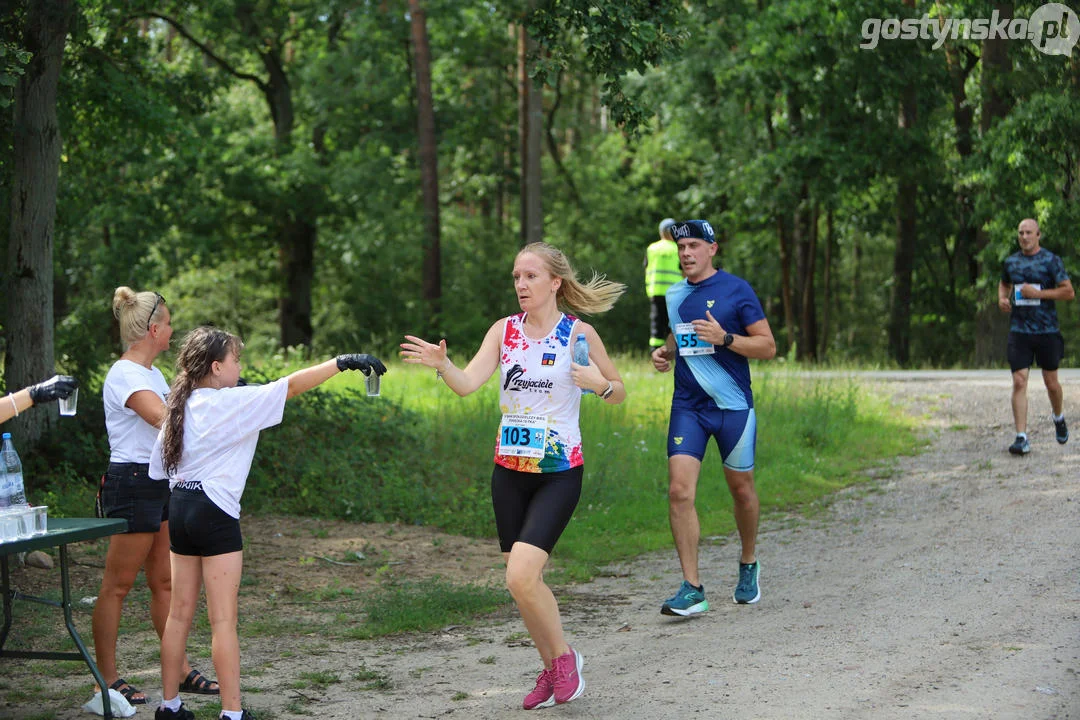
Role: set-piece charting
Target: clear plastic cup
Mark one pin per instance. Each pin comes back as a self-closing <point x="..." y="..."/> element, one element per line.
<point x="68" y="404"/>
<point x="26" y="523"/>
<point x="41" y="519"/>
<point x="9" y="526"/>
<point x="371" y="382"/>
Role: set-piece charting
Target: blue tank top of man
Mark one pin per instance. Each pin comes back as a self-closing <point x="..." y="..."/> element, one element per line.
<point x="720" y="379"/>
<point x="1043" y="269"/>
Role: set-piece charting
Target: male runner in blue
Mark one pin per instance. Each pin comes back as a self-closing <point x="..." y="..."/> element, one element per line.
<point x="717" y="324"/>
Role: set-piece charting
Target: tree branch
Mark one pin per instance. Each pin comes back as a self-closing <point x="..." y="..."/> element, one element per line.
<point x="205" y="49"/>
<point x="553" y="147"/>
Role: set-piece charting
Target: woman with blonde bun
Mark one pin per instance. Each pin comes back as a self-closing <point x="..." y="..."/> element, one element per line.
<point x="134" y="393"/>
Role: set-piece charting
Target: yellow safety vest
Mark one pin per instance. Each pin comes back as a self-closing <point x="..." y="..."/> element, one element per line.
<point x="661" y="267"/>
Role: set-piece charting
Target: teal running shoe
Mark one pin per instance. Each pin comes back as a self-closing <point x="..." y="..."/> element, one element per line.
<point x="687" y="601"/>
<point x="747" y="591"/>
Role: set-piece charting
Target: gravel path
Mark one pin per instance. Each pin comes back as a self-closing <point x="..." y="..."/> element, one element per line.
<point x="948" y="589"/>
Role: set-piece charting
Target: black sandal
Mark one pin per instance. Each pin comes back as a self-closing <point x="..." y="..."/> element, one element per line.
<point x="196" y="683"/>
<point x="121" y="686"/>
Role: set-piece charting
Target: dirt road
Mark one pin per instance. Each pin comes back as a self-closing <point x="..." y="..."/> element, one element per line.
<point x="947" y="587"/>
<point x="950" y="589"/>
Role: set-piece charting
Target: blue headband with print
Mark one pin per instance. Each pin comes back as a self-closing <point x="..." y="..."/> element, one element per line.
<point x="700" y="229"/>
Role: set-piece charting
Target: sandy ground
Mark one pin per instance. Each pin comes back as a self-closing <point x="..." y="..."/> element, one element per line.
<point x="947" y="587"/>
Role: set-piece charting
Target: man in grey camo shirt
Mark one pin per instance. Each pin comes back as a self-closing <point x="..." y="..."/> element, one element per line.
<point x="1031" y="281"/>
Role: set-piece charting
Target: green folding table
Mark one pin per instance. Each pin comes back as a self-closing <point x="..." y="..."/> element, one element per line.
<point x="62" y="532"/>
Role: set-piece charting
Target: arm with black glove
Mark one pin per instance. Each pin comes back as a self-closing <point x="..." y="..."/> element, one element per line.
<point x="58" y="386"/>
<point x="303" y="380"/>
<point x="361" y="361"/>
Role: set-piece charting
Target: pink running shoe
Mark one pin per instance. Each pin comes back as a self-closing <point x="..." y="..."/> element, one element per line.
<point x="568" y="681"/>
<point x="543" y="695"/>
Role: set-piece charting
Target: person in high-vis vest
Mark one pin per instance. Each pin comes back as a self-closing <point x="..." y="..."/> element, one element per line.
<point x="661" y="272"/>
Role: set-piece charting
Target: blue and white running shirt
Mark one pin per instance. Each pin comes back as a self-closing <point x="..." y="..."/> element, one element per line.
<point x="720" y="379"/>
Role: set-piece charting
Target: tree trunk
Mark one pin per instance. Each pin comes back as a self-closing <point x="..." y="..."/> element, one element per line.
<point x="296" y="257"/>
<point x="530" y="127"/>
<point x="856" y="284"/>
<point x="429" y="165"/>
<point x="297" y="227"/>
<point x="906" y="235"/>
<point x="965" y="270"/>
<point x="992" y="325"/>
<point x="903" y="267"/>
<point x="28" y="288"/>
<point x="784" y="235"/>
<point x="827" y="283"/>
<point x="806" y="257"/>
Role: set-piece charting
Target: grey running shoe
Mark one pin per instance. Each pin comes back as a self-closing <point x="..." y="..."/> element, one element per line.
<point x="1020" y="446"/>
<point x="1061" y="431"/>
<point x="747" y="591"/>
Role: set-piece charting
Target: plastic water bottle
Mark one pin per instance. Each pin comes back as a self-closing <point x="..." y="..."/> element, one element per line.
<point x="5" y="495"/>
<point x="13" y="477"/>
<point x="581" y="354"/>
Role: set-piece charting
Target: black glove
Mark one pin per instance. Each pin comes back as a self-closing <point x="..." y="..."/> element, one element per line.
<point x="58" y="386"/>
<point x="360" y="361"/>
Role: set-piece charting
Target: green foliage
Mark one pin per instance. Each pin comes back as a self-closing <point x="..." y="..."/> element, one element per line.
<point x="13" y="61"/>
<point x="617" y="38"/>
<point x="178" y="175"/>
<point x="343" y="454"/>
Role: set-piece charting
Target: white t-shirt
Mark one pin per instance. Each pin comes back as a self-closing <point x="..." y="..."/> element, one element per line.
<point x="221" y="430"/>
<point x="130" y="437"/>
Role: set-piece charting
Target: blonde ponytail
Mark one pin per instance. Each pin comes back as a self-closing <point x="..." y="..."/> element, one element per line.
<point x="591" y="298"/>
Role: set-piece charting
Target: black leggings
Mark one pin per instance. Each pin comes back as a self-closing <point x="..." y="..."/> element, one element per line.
<point x="534" y="508"/>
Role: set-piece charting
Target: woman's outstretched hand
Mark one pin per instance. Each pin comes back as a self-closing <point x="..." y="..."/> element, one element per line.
<point x="420" y="352"/>
<point x="360" y="361"/>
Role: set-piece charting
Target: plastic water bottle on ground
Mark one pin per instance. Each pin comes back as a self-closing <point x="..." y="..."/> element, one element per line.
<point x="581" y="354"/>
<point x="13" y="477"/>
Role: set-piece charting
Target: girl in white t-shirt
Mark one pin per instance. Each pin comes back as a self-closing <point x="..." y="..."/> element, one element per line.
<point x="205" y="448"/>
<point x="134" y="394"/>
<point x="536" y="482"/>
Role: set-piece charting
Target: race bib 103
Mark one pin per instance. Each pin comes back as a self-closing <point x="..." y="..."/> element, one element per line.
<point x="523" y="435"/>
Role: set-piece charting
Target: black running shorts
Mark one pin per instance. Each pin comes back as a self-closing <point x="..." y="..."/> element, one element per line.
<point x="1047" y="349"/>
<point x="534" y="508"/>
<point x="199" y="527"/>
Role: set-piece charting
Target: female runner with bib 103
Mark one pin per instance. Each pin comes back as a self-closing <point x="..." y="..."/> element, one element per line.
<point x="536" y="483"/>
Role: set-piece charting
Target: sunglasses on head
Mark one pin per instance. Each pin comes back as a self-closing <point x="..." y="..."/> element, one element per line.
<point x="158" y="300"/>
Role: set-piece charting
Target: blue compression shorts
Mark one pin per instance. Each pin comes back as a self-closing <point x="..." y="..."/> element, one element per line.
<point x="735" y="432"/>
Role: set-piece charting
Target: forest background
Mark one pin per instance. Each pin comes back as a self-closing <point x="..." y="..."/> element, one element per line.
<point x="323" y="176"/>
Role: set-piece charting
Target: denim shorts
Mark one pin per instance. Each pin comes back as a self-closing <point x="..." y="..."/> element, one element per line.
<point x="201" y="528"/>
<point x="128" y="493"/>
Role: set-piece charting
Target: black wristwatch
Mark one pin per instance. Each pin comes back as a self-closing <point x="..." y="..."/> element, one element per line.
<point x="728" y="339"/>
